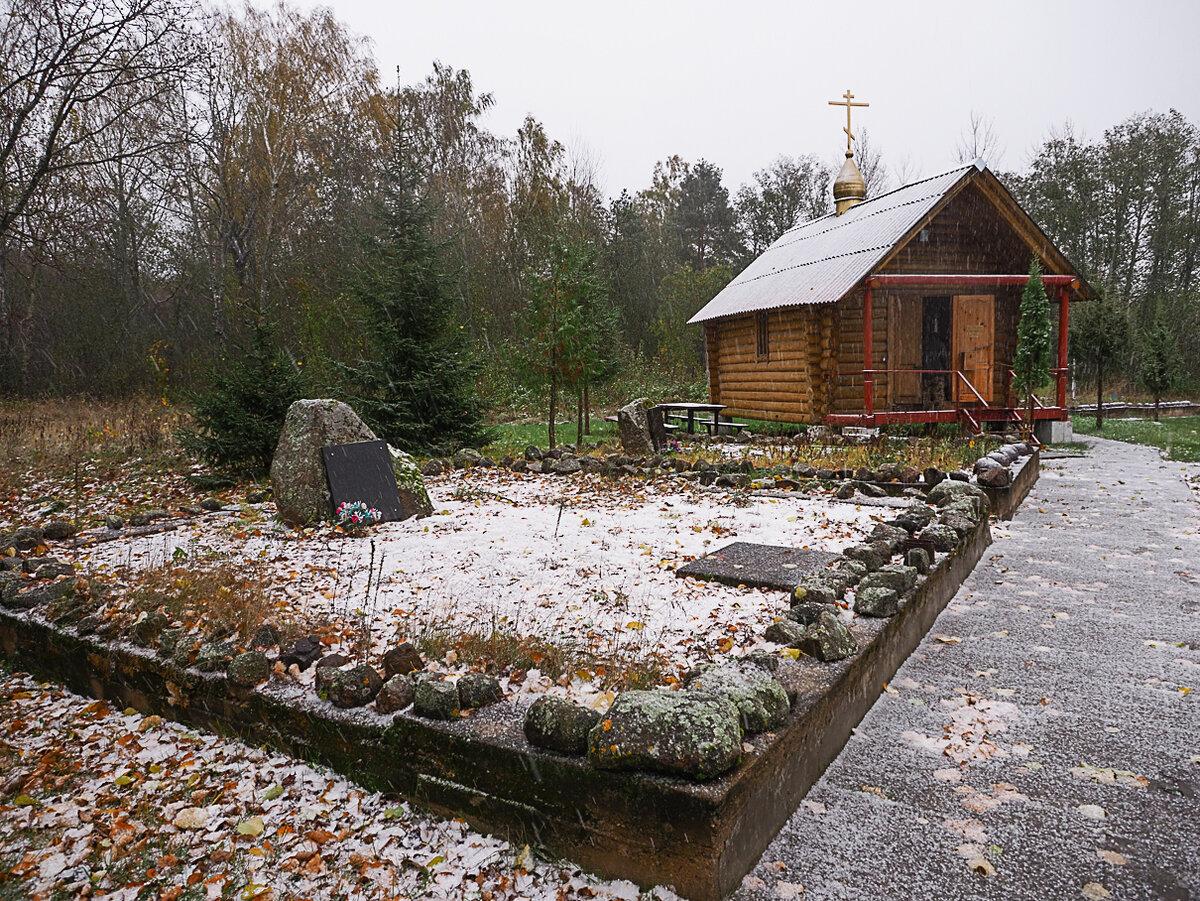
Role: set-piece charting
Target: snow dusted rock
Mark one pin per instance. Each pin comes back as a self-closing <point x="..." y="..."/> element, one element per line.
<point x="999" y="477"/>
<point x="943" y="537"/>
<point x="298" y="471"/>
<point x="558" y="725"/>
<point x="852" y="570"/>
<point x="914" y="518"/>
<point x="785" y="631"/>
<point x="402" y="660"/>
<point x="896" y="576"/>
<point x="892" y="536"/>
<point x="918" y="559"/>
<point x="435" y="697"/>
<point x="827" y="639"/>
<point x="396" y="694"/>
<point x="249" y="669"/>
<point x="215" y="655"/>
<point x="953" y="489"/>
<point x="634" y="428"/>
<point x="806" y="612"/>
<point x="761" y="701"/>
<point x="876" y="600"/>
<point x="59" y="530"/>
<point x="354" y="687"/>
<point x="682" y="733"/>
<point x="872" y="556"/>
<point x="303" y="653"/>
<point x="479" y="690"/>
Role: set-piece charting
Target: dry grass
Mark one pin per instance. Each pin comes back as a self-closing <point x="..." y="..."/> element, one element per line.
<point x="505" y="653"/>
<point x="220" y="596"/>
<point x="53" y="433"/>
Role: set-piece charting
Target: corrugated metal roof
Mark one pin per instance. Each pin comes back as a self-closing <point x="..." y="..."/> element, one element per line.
<point x="820" y="261"/>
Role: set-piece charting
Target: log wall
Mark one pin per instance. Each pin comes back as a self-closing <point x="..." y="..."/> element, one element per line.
<point x="810" y="347"/>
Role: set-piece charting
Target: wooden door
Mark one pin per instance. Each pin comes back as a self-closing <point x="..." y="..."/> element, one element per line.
<point x="973" y="347"/>
<point x="904" y="350"/>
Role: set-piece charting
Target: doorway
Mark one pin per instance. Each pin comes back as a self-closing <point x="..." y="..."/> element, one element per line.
<point x="935" y="351"/>
<point x="973" y="346"/>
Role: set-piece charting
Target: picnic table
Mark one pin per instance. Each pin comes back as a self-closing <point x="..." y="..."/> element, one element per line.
<point x="687" y="410"/>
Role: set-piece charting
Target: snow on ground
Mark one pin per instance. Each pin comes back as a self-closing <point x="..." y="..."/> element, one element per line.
<point x="583" y="562"/>
<point x="120" y="806"/>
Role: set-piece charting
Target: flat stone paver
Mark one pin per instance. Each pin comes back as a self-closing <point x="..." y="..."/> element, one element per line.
<point x="1072" y="647"/>
<point x="759" y="565"/>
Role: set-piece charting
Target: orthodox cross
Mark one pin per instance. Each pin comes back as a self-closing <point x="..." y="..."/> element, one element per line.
<point x="847" y="104"/>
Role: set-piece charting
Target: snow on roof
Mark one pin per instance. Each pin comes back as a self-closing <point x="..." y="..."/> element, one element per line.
<point x="820" y="261"/>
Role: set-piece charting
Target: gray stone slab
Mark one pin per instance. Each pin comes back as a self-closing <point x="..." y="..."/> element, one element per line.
<point x="758" y="565"/>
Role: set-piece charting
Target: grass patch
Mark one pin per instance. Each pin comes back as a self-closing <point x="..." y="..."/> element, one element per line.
<point x="1178" y="437"/>
<point x="57" y="431"/>
<point x="220" y="597"/>
<point x="501" y="653"/>
<point x="513" y="438"/>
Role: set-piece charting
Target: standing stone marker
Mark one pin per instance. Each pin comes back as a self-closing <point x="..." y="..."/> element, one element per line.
<point x="362" y="471"/>
<point x="298" y="478"/>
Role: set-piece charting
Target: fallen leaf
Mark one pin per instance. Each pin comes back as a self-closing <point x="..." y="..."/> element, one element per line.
<point x="786" y="890"/>
<point x="1093" y="811"/>
<point x="1094" y="891"/>
<point x="1113" y="857"/>
<point x="253" y="826"/>
<point x="191" y="818"/>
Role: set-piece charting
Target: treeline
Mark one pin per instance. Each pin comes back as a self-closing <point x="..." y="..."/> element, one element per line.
<point x="1125" y="208"/>
<point x="174" y="177"/>
<point x="185" y="187"/>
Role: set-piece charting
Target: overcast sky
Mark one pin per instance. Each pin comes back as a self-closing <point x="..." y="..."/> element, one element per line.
<point x="741" y="83"/>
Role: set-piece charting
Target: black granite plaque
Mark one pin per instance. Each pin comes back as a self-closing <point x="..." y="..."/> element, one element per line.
<point x="757" y="565"/>
<point x="362" y="471"/>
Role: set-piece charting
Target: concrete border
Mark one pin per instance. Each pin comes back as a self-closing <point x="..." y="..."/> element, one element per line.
<point x="652" y="829"/>
<point x="1006" y="501"/>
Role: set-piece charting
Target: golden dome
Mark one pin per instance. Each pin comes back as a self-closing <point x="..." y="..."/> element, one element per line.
<point x="849" y="187"/>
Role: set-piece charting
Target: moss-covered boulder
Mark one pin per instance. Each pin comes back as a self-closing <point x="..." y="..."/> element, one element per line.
<point x="896" y="576"/>
<point x="558" y="725"/>
<point x="952" y="489"/>
<point x="298" y="480"/>
<point x="784" y="632"/>
<point x="761" y="701"/>
<point x="827" y="639"/>
<point x="249" y="669"/>
<point x="682" y="733"/>
<point x="876" y="601"/>
<point x="435" y="697"/>
<point x="414" y="499"/>
<point x="355" y="686"/>
<point x="479" y="690"/>
<point x="805" y="613"/>
<point x="396" y="694"/>
<point x="944" y="538"/>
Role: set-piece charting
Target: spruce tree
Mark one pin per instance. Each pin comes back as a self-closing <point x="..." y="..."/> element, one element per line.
<point x="1099" y="334"/>
<point x="417" y="389"/>
<point x="1160" y="361"/>
<point x="1031" y="364"/>
<point x="239" y="414"/>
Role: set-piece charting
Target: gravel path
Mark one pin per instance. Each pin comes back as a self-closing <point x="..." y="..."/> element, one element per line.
<point x="1043" y="741"/>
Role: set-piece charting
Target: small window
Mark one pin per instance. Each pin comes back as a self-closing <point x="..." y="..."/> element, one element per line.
<point x="761" y="335"/>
